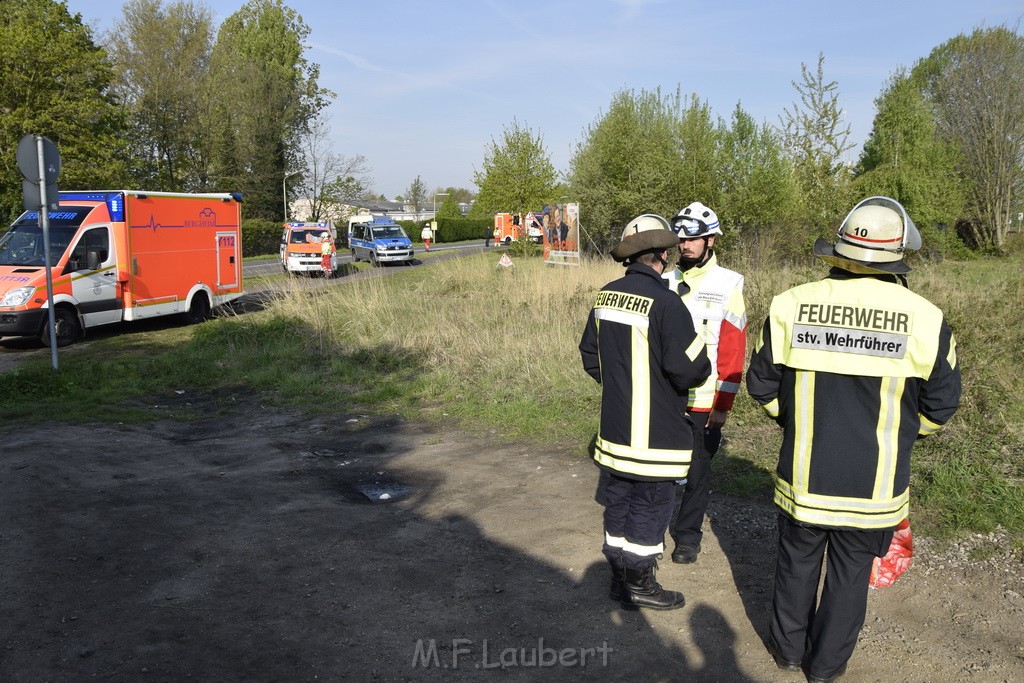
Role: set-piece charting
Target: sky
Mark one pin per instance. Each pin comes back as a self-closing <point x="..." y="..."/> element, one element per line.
<point x="424" y="88"/>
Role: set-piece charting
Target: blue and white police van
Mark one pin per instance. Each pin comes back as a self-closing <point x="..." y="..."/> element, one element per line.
<point x="378" y="239"/>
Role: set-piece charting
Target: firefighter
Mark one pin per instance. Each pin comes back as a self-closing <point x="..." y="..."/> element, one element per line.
<point x="426" y="234"/>
<point x="854" y="368"/>
<point x="714" y="297"/>
<point x="326" y="250"/>
<point x="640" y="346"/>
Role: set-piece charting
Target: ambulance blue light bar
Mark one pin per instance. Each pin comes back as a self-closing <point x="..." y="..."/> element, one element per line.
<point x="113" y="200"/>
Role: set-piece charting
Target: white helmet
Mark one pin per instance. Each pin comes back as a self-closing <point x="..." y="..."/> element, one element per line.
<point x="696" y="220"/>
<point x="872" y="238"/>
<point x="325" y="235"/>
<point x="877" y="230"/>
<point x="644" y="233"/>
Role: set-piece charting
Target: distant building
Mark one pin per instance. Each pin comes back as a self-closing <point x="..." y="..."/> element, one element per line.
<point x="299" y="210"/>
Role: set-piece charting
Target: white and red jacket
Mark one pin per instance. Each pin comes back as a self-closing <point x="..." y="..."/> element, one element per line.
<point x="714" y="297"/>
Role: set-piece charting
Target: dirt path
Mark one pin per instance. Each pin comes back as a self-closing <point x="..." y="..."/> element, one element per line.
<point x="245" y="547"/>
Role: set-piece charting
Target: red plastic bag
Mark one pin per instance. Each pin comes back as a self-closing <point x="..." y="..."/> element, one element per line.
<point x="887" y="569"/>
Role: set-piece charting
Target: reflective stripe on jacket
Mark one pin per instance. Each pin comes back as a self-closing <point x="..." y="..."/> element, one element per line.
<point x="854" y="369"/>
<point x="715" y="302"/>
<point x="639" y="344"/>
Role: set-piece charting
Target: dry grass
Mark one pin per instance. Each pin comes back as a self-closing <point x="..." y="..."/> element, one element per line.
<point x="498" y="345"/>
<point x="497" y="348"/>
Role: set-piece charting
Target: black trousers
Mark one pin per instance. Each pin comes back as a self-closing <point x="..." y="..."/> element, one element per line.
<point x="636" y="515"/>
<point x="821" y="635"/>
<point x="697" y="490"/>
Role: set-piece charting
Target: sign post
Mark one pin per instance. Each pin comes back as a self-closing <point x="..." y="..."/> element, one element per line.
<point x="40" y="163"/>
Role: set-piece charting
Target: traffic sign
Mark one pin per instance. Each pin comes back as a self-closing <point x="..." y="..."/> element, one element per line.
<point x="32" y="198"/>
<point x="28" y="159"/>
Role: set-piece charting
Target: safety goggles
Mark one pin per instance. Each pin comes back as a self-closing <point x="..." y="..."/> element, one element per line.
<point x="686" y="226"/>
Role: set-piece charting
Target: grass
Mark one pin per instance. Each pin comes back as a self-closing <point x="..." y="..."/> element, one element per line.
<point x="493" y="348"/>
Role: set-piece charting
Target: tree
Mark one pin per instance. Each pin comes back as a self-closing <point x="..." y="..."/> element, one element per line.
<point x="904" y="158"/>
<point x="449" y="208"/>
<point x="758" y="193"/>
<point x="161" y="56"/>
<point x="416" y="195"/>
<point x="55" y="81"/>
<point x="517" y="174"/>
<point x="629" y="163"/>
<point x="462" y="195"/>
<point x="330" y="180"/>
<point x="816" y="137"/>
<point x="698" y="148"/>
<point x="266" y="95"/>
<point x="976" y="85"/>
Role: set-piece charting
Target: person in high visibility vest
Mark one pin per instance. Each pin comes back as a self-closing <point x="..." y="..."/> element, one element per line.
<point x="854" y="368"/>
<point x="640" y="346"/>
<point x="326" y="251"/>
<point x="426" y="235"/>
<point x="714" y="297"/>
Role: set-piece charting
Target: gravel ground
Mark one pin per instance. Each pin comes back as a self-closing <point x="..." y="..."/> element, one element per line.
<point x="255" y="545"/>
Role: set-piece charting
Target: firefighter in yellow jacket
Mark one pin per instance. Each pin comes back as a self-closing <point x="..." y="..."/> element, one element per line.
<point x="640" y="346"/>
<point x="854" y="368"/>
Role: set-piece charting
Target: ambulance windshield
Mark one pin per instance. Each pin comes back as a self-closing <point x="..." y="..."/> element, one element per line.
<point x="22" y="245"/>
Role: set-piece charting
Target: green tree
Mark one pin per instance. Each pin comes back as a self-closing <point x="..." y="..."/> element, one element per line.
<point x="55" y="81"/>
<point x="517" y="174"/>
<point x="416" y="195"/>
<point x="817" y="137"/>
<point x="905" y="159"/>
<point x="629" y="163"/>
<point x="976" y="85"/>
<point x="758" y="192"/>
<point x="266" y="94"/>
<point x="449" y="208"/>
<point x="699" y="141"/>
<point x="462" y="195"/>
<point x="161" y="55"/>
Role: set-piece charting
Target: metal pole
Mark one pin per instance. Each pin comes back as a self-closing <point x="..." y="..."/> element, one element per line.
<point x="44" y="221"/>
<point x="284" y="195"/>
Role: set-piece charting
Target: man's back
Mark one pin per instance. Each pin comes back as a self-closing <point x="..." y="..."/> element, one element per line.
<point x="858" y="367"/>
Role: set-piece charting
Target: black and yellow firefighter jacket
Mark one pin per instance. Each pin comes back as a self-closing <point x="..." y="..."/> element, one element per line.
<point x="640" y="346"/>
<point x="854" y="369"/>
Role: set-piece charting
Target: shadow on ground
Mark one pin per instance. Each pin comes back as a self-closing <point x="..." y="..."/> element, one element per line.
<point x="261" y="546"/>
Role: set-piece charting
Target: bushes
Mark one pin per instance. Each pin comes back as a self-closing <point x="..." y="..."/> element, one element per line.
<point x="451" y="229"/>
<point x="459" y="229"/>
<point x="260" y="237"/>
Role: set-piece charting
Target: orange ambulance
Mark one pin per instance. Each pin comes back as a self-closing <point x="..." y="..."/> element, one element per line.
<point x="120" y="255"/>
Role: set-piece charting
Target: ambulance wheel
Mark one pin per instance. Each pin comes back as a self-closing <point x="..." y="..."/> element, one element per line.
<point x="199" y="311"/>
<point x="65" y="326"/>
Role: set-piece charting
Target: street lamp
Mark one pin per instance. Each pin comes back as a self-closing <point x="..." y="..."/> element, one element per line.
<point x="436" y="195"/>
<point x="284" y="191"/>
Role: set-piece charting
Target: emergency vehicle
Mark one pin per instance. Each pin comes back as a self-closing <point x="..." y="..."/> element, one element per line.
<point x="378" y="239"/>
<point x="120" y="255"/>
<point x="508" y="229"/>
<point x="300" y="247"/>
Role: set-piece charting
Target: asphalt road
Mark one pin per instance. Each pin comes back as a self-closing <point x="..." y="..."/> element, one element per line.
<point x="14" y="350"/>
<point x="272" y="265"/>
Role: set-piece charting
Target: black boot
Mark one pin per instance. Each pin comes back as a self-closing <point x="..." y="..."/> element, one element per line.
<point x="642" y="590"/>
<point x="616" y="590"/>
